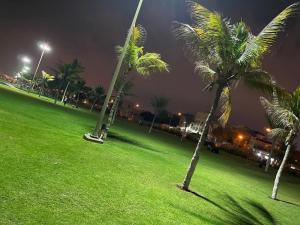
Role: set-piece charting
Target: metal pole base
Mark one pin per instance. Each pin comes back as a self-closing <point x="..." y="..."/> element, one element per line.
<point x="93" y="138"/>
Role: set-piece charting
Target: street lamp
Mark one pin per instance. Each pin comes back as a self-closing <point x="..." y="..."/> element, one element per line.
<point x="45" y="49"/>
<point x="137" y="105"/>
<point x="26" y="60"/>
<point x="95" y="136"/>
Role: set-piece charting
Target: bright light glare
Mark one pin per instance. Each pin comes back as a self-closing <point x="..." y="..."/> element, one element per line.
<point x="179" y="114"/>
<point x="292" y="167"/>
<point x="137" y="105"/>
<point x="45" y="47"/>
<point x="241" y="137"/>
<point x="266" y="157"/>
<point x="268" y="130"/>
<point x="26" y="60"/>
<point x="258" y="154"/>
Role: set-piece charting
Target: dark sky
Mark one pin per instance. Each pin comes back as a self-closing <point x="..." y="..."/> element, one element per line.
<point x="89" y="30"/>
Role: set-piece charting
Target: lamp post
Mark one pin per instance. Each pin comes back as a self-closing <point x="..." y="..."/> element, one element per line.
<point x="95" y="136"/>
<point x="45" y="49"/>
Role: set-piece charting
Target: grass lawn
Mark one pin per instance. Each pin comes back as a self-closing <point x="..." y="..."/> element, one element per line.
<point x="50" y="175"/>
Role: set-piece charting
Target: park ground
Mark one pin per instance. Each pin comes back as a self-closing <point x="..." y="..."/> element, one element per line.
<point x="50" y="175"/>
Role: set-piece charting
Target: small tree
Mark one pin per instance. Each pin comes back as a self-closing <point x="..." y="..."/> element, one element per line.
<point x="159" y="104"/>
<point x="96" y="95"/>
<point x="284" y="114"/>
<point x="44" y="80"/>
<point x="67" y="73"/>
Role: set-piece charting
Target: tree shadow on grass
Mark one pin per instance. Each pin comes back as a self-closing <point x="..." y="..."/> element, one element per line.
<point x="250" y="213"/>
<point x="127" y="140"/>
<point x="290" y="203"/>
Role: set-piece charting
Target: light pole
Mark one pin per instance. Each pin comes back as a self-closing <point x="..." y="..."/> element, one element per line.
<point x="45" y="49"/>
<point x="95" y="136"/>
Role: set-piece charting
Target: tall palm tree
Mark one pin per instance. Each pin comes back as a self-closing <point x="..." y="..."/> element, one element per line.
<point x="44" y="80"/>
<point x="225" y="53"/>
<point x="138" y="62"/>
<point x="67" y="73"/>
<point x="96" y="95"/>
<point x="284" y="114"/>
<point x="159" y="104"/>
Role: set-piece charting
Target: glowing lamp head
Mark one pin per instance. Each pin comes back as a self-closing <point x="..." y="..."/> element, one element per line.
<point x="137" y="105"/>
<point x="26" y="60"/>
<point x="240" y="137"/>
<point x="179" y="114"/>
<point x="45" y="47"/>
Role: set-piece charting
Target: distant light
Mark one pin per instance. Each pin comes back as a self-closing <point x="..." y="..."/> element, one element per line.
<point x="26" y="68"/>
<point x="137" y="105"/>
<point x="45" y="47"/>
<point x="179" y="114"/>
<point x="112" y="101"/>
<point x="241" y="137"/>
<point x="258" y="154"/>
<point x="26" y="60"/>
<point x="266" y="157"/>
<point x="85" y="102"/>
<point x="293" y="168"/>
<point x="268" y="130"/>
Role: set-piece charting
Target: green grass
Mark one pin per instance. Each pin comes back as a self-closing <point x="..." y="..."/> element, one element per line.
<point x="50" y="175"/>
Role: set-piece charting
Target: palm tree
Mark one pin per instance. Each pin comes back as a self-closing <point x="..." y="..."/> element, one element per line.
<point x="284" y="114"/>
<point x="159" y="104"/>
<point x="44" y="80"/>
<point x="96" y="95"/>
<point x="67" y="73"/>
<point x="80" y="90"/>
<point x="225" y="53"/>
<point x="135" y="61"/>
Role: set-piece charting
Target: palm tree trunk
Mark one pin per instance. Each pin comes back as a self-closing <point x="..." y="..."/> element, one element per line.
<point x="281" y="168"/>
<point x="270" y="156"/>
<point x="93" y="105"/>
<point x="77" y="100"/>
<point x="58" y="91"/>
<point x="196" y="156"/>
<point x="113" y="109"/>
<point x="116" y="112"/>
<point x="152" y="124"/>
<point x="65" y="92"/>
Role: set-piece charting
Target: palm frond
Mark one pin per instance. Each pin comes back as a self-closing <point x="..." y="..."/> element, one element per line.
<point x="225" y="106"/>
<point x="278" y="134"/>
<point x="47" y="77"/>
<point x="260" y="44"/>
<point x="139" y="35"/>
<point x="191" y="38"/>
<point x="151" y="63"/>
<point x="208" y="75"/>
<point x="199" y="14"/>
<point x="280" y="117"/>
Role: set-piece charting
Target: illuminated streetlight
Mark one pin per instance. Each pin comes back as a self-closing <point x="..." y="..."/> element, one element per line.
<point x="26" y="60"/>
<point x="137" y="105"/>
<point x="179" y="114"/>
<point x="45" y="49"/>
<point x="26" y="69"/>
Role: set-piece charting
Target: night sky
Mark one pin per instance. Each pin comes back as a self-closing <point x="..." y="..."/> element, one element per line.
<point x="89" y="30"/>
